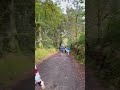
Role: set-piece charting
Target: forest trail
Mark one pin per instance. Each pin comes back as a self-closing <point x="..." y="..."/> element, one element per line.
<point x="61" y="72"/>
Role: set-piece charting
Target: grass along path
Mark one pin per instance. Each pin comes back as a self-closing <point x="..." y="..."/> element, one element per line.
<point x="40" y="54"/>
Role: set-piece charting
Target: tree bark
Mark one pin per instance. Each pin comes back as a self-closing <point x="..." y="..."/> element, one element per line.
<point x="13" y="32"/>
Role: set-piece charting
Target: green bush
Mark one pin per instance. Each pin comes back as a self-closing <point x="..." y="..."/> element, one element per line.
<point x="82" y="38"/>
<point x="80" y="49"/>
<point x="81" y="54"/>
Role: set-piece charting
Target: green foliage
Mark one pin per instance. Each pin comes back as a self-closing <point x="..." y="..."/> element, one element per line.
<point x="48" y="18"/>
<point x="81" y="54"/>
<point x="52" y="26"/>
<point x="41" y="53"/>
<point x="79" y="49"/>
<point x="82" y="38"/>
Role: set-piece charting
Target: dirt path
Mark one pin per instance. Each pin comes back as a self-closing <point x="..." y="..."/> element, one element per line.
<point x="61" y="73"/>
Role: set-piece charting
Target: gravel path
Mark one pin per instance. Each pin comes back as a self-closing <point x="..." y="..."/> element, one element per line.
<point x="61" y="72"/>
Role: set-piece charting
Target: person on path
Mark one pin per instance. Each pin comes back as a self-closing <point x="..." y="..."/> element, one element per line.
<point x="67" y="50"/>
<point x="38" y="79"/>
<point x="61" y="49"/>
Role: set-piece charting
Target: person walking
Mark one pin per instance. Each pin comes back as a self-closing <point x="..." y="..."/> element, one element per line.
<point x="67" y="50"/>
<point x="61" y="49"/>
<point x="38" y="80"/>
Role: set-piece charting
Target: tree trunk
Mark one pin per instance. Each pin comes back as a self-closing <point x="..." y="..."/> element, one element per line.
<point x="13" y="33"/>
<point x="99" y="22"/>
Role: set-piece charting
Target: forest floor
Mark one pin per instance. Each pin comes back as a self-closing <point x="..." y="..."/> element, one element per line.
<point x="62" y="72"/>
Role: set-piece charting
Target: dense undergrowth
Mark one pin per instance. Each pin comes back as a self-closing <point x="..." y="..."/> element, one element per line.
<point x="78" y="49"/>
